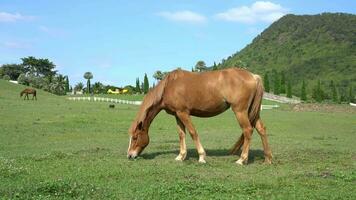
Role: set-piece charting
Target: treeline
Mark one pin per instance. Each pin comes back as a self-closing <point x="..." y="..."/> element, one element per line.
<point x="38" y="73"/>
<point x="320" y="91"/>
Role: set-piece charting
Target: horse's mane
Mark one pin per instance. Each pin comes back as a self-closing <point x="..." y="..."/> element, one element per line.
<point x="152" y="98"/>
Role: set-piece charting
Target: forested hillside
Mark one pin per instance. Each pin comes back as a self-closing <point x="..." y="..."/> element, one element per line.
<point x="307" y="47"/>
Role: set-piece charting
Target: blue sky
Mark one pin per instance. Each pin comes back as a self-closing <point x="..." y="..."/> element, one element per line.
<point x="120" y="40"/>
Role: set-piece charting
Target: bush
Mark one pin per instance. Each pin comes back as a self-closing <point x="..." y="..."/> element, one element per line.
<point x="6" y="77"/>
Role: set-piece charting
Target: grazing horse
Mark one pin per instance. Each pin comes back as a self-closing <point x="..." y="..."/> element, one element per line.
<point x="29" y="91"/>
<point x="207" y="94"/>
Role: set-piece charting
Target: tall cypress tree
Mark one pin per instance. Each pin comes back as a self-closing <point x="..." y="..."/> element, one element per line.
<point x="351" y="94"/>
<point x="289" y="89"/>
<point x="283" y="83"/>
<point x="318" y="93"/>
<point x="334" y="92"/>
<point x="266" y="82"/>
<point x="67" y="84"/>
<point x="276" y="82"/>
<point x="138" y="88"/>
<point x="146" y="85"/>
<point x="303" y="94"/>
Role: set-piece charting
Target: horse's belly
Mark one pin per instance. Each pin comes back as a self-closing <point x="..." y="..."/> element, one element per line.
<point x="209" y="112"/>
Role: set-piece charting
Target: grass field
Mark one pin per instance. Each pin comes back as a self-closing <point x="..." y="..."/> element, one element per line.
<point x="54" y="148"/>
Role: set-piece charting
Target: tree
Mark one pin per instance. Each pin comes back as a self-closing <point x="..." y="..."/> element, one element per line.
<point x="146" y="85"/>
<point x="12" y="70"/>
<point x="98" y="88"/>
<point x="266" y="82"/>
<point x="351" y="94"/>
<point x="215" y="67"/>
<point x="334" y="92"/>
<point x="66" y="84"/>
<point x="22" y="79"/>
<point x="38" y="67"/>
<point x="318" y="93"/>
<point x="289" y="89"/>
<point x="282" y="88"/>
<point x="88" y="76"/>
<point x="158" y="75"/>
<point x="303" y="94"/>
<point x="6" y="77"/>
<point x="200" y="66"/>
<point x="276" y="82"/>
<point x="58" y="85"/>
<point x="79" y="86"/>
<point x="138" y="88"/>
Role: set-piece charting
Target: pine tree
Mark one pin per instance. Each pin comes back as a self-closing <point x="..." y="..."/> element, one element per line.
<point x="318" y="93"/>
<point x="351" y="94"/>
<point x="334" y="92"/>
<point x="67" y="84"/>
<point x="276" y="83"/>
<point x="303" y="94"/>
<point x="266" y="82"/>
<point x="283" y="83"/>
<point x="289" y="89"/>
<point x="138" y="88"/>
<point x="146" y="85"/>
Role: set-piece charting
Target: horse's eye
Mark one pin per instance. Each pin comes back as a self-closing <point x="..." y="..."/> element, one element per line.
<point x="134" y="137"/>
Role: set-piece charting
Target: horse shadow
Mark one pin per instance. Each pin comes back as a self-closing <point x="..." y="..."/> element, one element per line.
<point x="254" y="154"/>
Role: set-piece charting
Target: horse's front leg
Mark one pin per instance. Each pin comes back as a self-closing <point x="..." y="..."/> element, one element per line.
<point x="182" y="145"/>
<point x="185" y="118"/>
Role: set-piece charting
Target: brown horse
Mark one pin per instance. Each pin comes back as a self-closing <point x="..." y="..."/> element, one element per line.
<point x="29" y="91"/>
<point x="182" y="93"/>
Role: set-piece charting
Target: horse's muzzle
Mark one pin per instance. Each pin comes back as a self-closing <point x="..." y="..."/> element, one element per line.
<point x="131" y="156"/>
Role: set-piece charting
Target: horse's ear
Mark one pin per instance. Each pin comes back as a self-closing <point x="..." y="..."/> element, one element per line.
<point x="140" y="126"/>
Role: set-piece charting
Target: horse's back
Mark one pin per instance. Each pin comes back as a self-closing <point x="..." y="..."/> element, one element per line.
<point x="207" y="93"/>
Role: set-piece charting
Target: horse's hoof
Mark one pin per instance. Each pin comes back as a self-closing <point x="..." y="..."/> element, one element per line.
<point x="202" y="161"/>
<point x="181" y="157"/>
<point x="267" y="162"/>
<point x="240" y="162"/>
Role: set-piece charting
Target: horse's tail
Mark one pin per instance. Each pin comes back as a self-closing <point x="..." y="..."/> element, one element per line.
<point x="255" y="107"/>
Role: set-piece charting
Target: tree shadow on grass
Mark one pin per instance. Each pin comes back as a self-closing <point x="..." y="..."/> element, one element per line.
<point x="254" y="154"/>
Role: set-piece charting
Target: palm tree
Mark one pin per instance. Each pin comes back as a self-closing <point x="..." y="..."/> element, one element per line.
<point x="79" y="86"/>
<point x="88" y="76"/>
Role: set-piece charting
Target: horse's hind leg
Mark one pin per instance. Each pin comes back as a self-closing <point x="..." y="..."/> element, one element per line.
<point x="185" y="118"/>
<point x="183" y="147"/>
<point x="261" y="129"/>
<point x="237" y="145"/>
<point x="242" y="118"/>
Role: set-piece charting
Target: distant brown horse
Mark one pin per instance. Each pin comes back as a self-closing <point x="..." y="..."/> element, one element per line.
<point x="207" y="94"/>
<point x="29" y="91"/>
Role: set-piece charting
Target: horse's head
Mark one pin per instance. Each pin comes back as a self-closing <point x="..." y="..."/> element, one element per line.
<point x="21" y="93"/>
<point x="139" y="139"/>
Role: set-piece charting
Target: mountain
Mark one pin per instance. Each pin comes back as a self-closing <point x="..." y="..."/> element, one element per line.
<point x="305" y="47"/>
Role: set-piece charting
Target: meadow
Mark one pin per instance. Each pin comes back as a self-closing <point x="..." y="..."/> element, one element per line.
<point x="54" y="148"/>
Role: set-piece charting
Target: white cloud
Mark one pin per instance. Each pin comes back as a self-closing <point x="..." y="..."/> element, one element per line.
<point x="9" y="17"/>
<point x="184" y="16"/>
<point x="16" y="45"/>
<point x="52" y="31"/>
<point x="264" y="11"/>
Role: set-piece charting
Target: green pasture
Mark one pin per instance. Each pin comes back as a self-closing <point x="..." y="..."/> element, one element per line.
<point x="54" y="148"/>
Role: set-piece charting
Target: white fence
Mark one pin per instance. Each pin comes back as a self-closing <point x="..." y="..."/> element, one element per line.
<point x="104" y="99"/>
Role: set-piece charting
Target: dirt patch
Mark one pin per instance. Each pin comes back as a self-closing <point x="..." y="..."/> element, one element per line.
<point x="323" y="108"/>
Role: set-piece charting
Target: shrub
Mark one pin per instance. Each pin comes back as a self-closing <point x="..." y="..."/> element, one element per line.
<point x="6" y="77"/>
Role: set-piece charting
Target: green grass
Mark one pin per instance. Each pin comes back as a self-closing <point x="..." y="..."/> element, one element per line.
<point x="54" y="148"/>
